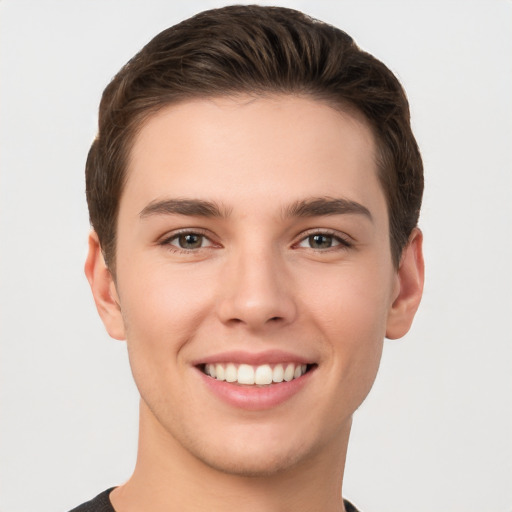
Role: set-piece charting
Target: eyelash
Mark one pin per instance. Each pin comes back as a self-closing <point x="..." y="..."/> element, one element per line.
<point x="167" y="242"/>
<point x="342" y="242"/>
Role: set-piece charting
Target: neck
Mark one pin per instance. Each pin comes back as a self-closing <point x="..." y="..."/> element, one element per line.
<point x="167" y="478"/>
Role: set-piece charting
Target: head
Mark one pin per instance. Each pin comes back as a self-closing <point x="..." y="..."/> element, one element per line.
<point x="255" y="188"/>
<point x="257" y="51"/>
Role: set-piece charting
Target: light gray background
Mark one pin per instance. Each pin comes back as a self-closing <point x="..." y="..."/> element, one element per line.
<point x="435" y="434"/>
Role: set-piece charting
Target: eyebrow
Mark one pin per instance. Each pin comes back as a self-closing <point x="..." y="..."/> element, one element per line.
<point x="312" y="207"/>
<point x="190" y="207"/>
<point x="319" y="206"/>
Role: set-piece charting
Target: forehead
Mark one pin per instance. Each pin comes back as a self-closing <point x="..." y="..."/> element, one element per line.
<point x="247" y="147"/>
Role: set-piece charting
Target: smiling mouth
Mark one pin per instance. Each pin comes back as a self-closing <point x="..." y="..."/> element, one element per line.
<point x="261" y="375"/>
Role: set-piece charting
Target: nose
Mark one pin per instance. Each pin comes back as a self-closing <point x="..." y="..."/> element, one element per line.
<point x="256" y="291"/>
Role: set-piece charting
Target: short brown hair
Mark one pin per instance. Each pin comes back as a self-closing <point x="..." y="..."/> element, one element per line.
<point x="256" y="50"/>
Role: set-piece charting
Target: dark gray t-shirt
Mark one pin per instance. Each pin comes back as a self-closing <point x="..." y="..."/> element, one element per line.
<point x="102" y="504"/>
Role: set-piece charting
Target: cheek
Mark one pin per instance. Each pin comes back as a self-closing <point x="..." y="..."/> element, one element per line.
<point x="161" y="294"/>
<point x="353" y="299"/>
<point x="350" y="309"/>
<point x="162" y="309"/>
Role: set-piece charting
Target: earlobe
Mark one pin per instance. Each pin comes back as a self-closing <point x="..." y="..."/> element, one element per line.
<point x="103" y="289"/>
<point x="411" y="275"/>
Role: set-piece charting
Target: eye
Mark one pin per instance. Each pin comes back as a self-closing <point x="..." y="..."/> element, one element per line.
<point x="188" y="241"/>
<point x="321" y="241"/>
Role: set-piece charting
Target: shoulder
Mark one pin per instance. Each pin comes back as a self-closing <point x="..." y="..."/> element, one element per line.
<point x="99" y="504"/>
<point x="349" y="507"/>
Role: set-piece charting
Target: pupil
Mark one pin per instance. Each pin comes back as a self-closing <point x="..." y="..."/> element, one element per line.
<point x="320" y="241"/>
<point x="190" y="241"/>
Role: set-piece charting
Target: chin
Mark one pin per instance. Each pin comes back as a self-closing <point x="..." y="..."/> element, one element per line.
<point x="251" y="463"/>
<point x="259" y="450"/>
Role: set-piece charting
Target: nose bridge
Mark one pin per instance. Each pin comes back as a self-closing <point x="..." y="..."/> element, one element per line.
<point x="256" y="290"/>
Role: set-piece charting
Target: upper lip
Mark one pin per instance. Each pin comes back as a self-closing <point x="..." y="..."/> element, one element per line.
<point x="254" y="358"/>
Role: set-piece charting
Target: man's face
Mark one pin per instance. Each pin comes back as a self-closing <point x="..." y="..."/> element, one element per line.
<point x="253" y="243"/>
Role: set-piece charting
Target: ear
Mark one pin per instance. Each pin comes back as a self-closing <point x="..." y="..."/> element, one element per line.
<point x="104" y="289"/>
<point x="410" y="279"/>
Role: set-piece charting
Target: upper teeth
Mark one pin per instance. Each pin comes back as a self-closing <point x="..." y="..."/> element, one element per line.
<point x="260" y="375"/>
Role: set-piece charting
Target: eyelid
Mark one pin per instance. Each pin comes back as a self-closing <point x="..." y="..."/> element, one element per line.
<point x="345" y="240"/>
<point x="166" y="239"/>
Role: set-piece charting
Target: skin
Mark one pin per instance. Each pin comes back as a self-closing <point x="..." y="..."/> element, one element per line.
<point x="257" y="281"/>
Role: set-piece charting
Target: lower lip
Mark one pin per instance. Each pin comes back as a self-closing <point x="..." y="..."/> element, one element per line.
<point x="255" y="398"/>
